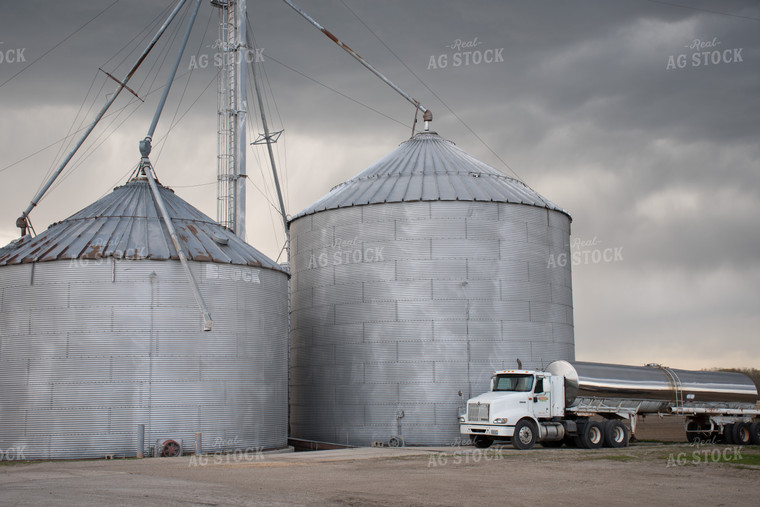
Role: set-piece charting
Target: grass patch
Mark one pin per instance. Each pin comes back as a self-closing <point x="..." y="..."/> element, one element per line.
<point x="643" y="443"/>
<point x="748" y="459"/>
<point x="623" y="458"/>
<point x="11" y="463"/>
<point x="14" y="462"/>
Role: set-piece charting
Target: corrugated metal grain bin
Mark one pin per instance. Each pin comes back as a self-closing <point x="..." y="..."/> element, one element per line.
<point x="100" y="333"/>
<point x="413" y="281"/>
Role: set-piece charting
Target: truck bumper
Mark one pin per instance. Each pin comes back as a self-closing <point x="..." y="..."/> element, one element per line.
<point x="491" y="430"/>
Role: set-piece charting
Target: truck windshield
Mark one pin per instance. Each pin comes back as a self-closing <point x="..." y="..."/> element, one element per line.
<point x="512" y="382"/>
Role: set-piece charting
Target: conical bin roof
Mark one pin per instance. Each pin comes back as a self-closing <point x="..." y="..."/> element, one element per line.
<point x="428" y="167"/>
<point x="127" y="224"/>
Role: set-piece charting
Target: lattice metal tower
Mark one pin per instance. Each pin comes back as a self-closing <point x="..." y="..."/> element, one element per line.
<point x="231" y="114"/>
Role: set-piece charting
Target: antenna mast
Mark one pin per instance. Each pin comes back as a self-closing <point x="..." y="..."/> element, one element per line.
<point x="232" y="109"/>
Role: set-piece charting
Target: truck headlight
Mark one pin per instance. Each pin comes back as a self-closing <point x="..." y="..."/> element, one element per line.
<point x="500" y="421"/>
<point x="461" y="418"/>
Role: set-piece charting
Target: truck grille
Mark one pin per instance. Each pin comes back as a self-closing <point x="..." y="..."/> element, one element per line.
<point x="477" y="412"/>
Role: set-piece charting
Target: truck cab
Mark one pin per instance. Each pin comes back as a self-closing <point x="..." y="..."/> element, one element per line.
<point x="516" y="398"/>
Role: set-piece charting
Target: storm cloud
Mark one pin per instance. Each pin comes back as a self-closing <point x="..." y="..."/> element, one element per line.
<point x="580" y="99"/>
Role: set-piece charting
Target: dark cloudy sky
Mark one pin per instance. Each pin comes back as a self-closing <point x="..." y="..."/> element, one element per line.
<point x="587" y="101"/>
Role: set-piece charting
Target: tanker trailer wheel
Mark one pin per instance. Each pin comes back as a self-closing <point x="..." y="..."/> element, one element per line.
<point x="615" y="434"/>
<point x="693" y="433"/>
<point x="482" y="442"/>
<point x="728" y="434"/>
<point x="754" y="433"/>
<point x="742" y="435"/>
<point x="592" y="436"/>
<point x="525" y="435"/>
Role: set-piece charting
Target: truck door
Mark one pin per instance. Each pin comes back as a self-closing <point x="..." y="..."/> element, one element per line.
<point x="541" y="398"/>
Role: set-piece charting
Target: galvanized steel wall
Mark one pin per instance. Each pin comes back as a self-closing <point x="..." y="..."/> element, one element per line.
<point x="89" y="349"/>
<point x="396" y="307"/>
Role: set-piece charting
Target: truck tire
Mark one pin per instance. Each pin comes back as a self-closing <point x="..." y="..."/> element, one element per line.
<point x="728" y="434"/>
<point x="525" y="435"/>
<point x="482" y="441"/>
<point x="616" y="434"/>
<point x="741" y="434"/>
<point x="754" y="433"/>
<point x="592" y="436"/>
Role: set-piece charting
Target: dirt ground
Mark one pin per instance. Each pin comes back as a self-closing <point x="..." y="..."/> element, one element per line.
<point x="644" y="474"/>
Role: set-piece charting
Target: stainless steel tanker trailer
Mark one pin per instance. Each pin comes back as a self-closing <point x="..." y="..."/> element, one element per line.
<point x="592" y="405"/>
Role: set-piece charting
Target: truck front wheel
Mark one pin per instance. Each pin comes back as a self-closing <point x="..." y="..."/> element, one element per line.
<point x="525" y="435"/>
<point x="482" y="442"/>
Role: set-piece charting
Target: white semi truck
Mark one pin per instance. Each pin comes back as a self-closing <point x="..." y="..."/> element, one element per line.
<point x="591" y="405"/>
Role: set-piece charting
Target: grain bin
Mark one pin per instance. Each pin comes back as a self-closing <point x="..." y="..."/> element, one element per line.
<point x="100" y="333"/>
<point x="413" y="281"/>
